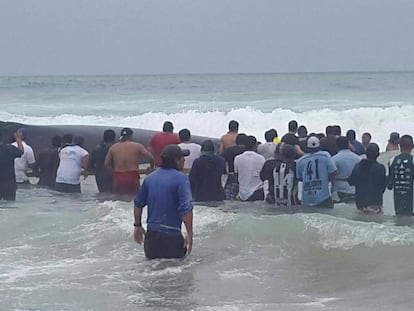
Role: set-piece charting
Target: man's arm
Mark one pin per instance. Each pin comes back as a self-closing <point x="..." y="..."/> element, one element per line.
<point x="145" y="152"/>
<point x="109" y="160"/>
<point x="18" y="136"/>
<point x="85" y="161"/>
<point x="139" y="232"/>
<point x="221" y="145"/>
<point x="188" y="222"/>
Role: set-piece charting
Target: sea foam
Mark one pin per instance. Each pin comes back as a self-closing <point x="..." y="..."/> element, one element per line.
<point x="378" y="121"/>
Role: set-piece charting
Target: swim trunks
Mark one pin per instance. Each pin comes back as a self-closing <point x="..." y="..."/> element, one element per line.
<point x="126" y="182"/>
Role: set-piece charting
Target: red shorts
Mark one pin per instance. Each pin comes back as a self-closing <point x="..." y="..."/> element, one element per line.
<point x="125" y="182"/>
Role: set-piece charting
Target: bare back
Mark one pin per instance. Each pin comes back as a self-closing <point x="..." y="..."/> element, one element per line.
<point x="123" y="156"/>
<point x="227" y="140"/>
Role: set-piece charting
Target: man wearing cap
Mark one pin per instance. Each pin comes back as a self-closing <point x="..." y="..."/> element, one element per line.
<point x="122" y="160"/>
<point x="370" y="181"/>
<point x="315" y="169"/>
<point x="160" y="140"/>
<point x="8" y="154"/>
<point x="166" y="193"/>
<point x="26" y="161"/>
<point x="205" y="175"/>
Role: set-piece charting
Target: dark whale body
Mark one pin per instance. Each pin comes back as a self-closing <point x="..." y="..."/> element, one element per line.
<point x="39" y="137"/>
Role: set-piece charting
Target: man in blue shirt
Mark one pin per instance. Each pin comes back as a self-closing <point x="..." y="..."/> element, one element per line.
<point x="345" y="160"/>
<point x="167" y="194"/>
<point x="315" y="169"/>
<point x="356" y="146"/>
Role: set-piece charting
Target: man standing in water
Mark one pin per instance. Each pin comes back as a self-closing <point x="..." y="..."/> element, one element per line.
<point x="25" y="162"/>
<point x="401" y="177"/>
<point x="103" y="178"/>
<point x="167" y="194"/>
<point x="315" y="169"/>
<point x="48" y="162"/>
<point x="123" y="161"/>
<point x="370" y="181"/>
<point x="229" y="139"/>
<point x="7" y="176"/>
<point x="159" y="140"/>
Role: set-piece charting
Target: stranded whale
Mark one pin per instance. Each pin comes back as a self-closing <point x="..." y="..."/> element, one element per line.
<point x="39" y="137"/>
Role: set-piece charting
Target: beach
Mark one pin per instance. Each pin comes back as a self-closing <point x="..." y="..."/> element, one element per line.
<point x="76" y="251"/>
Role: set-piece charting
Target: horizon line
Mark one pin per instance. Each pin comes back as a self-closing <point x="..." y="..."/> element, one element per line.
<point x="206" y="74"/>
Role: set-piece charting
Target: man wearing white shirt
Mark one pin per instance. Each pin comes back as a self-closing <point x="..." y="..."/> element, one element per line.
<point x="195" y="149"/>
<point x="26" y="161"/>
<point x="72" y="159"/>
<point x="248" y="166"/>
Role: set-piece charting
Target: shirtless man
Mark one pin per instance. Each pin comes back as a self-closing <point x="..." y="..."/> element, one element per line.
<point x="229" y="139"/>
<point x="123" y="161"/>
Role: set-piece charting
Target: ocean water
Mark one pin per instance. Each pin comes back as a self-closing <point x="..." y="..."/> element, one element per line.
<point x="76" y="252"/>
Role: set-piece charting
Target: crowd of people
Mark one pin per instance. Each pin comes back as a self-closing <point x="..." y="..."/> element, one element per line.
<point x="298" y="169"/>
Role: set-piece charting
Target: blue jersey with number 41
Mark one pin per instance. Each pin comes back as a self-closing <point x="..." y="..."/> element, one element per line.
<point x="314" y="170"/>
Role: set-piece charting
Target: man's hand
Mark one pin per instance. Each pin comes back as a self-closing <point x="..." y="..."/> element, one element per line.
<point x="139" y="234"/>
<point x="188" y="243"/>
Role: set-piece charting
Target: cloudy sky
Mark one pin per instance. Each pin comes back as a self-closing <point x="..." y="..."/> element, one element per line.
<point x="204" y="36"/>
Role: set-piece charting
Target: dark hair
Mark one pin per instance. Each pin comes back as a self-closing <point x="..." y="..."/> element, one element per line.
<point x="406" y="142"/>
<point x="342" y="143"/>
<point x="233" y="126"/>
<point x="319" y="135"/>
<point x="351" y="135"/>
<point x="394" y="138"/>
<point x="250" y="143"/>
<point x="290" y="139"/>
<point x="207" y="146"/>
<point x="78" y="140"/>
<point x="1" y="135"/>
<point x="168" y="163"/>
<point x="329" y="130"/>
<point x="240" y="139"/>
<point x="270" y="135"/>
<point x="56" y="141"/>
<point x="302" y="131"/>
<point x="288" y="151"/>
<point x="167" y="127"/>
<point x="109" y="136"/>
<point x="67" y="139"/>
<point x="293" y="126"/>
<point x="367" y="134"/>
<point x="184" y="135"/>
<point x="336" y="130"/>
<point x="372" y="151"/>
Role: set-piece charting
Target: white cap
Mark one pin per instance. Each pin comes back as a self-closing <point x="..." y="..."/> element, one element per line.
<point x="313" y="142"/>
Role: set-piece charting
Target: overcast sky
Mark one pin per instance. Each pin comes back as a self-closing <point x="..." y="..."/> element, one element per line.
<point x="41" y="37"/>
